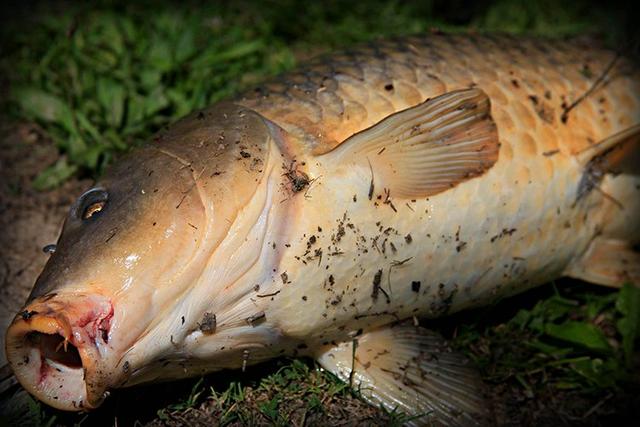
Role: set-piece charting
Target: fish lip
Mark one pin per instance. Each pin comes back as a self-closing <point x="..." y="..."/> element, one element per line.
<point x="57" y="352"/>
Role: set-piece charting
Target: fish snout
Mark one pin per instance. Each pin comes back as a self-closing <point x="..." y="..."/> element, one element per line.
<point x="58" y="348"/>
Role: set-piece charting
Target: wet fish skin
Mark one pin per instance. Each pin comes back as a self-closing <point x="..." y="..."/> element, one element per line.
<point x="296" y="250"/>
<point x="118" y="279"/>
<point x="516" y="214"/>
<point x="530" y="82"/>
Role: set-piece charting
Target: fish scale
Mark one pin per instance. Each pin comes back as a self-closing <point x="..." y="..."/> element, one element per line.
<point x="511" y="220"/>
<point x="334" y="97"/>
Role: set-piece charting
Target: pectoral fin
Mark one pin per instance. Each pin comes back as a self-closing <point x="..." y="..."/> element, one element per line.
<point x="411" y="370"/>
<point x="428" y="148"/>
<point x="608" y="262"/>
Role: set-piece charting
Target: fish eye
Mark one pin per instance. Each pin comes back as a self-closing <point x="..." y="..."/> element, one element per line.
<point x="92" y="210"/>
<point x="91" y="204"/>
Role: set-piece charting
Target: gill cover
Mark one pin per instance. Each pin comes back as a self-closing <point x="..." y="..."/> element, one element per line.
<point x="201" y="170"/>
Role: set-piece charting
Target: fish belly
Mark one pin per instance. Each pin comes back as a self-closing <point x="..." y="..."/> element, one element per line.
<point x="359" y="258"/>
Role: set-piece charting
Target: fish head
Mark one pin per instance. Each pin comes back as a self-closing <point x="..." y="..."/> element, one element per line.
<point x="157" y="243"/>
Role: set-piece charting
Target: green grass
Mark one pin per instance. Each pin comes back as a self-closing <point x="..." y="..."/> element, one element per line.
<point x="577" y="338"/>
<point x="102" y="79"/>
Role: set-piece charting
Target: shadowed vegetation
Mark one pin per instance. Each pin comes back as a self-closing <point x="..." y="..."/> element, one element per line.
<point x="100" y="80"/>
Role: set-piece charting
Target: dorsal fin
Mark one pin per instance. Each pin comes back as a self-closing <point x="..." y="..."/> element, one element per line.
<point x="428" y="148"/>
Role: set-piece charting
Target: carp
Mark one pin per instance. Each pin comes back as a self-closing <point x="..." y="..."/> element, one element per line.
<point x="323" y="211"/>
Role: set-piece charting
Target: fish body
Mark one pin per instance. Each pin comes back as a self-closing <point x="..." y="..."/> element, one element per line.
<point x="515" y="227"/>
<point x="409" y="178"/>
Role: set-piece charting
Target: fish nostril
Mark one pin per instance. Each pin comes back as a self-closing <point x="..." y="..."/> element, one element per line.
<point x="55" y="350"/>
<point x="49" y="249"/>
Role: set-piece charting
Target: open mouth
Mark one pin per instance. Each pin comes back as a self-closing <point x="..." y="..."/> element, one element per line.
<point x="58" y="361"/>
<point x="55" y="350"/>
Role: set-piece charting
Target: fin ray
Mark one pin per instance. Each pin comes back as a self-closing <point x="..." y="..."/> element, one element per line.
<point x="630" y="135"/>
<point x="411" y="369"/>
<point x="608" y="262"/>
<point x="616" y="154"/>
<point x="428" y="148"/>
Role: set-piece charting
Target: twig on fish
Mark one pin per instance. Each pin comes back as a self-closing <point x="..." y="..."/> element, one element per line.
<point x="184" y="196"/>
<point x="609" y="197"/>
<point x="567" y="109"/>
<point x="378" y="313"/>
<point x="395" y="263"/>
<point x="387" y="199"/>
<point x="298" y="180"/>
<point x="113" y="232"/>
<point x="257" y="318"/>
<point x="354" y="346"/>
<point x="377" y="288"/>
<point x="184" y="193"/>
<point x="371" y="186"/>
<point x="311" y="182"/>
<point x="269" y="295"/>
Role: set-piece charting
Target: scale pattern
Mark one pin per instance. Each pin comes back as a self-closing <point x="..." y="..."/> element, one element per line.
<point x="514" y="227"/>
<point x="531" y="83"/>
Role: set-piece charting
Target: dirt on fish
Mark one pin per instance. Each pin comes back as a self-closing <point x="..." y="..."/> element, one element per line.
<point x="30" y="220"/>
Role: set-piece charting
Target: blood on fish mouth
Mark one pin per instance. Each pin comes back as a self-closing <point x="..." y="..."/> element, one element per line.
<point x="57" y="351"/>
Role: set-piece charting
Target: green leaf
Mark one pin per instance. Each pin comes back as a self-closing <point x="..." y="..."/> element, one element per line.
<point x="102" y="59"/>
<point x="214" y="56"/>
<point x="181" y="104"/>
<point x="186" y="46"/>
<point x="54" y="175"/>
<point x="628" y="304"/>
<point x="155" y="101"/>
<point x="74" y="145"/>
<point x="92" y="155"/>
<point x="44" y="107"/>
<point x="149" y="77"/>
<point x="521" y="318"/>
<point x="160" y="55"/>
<point x="86" y="126"/>
<point x="111" y="96"/>
<point x="547" y="348"/>
<point x="582" y="334"/>
<point x="135" y="112"/>
<point x="270" y="408"/>
<point x="599" y="372"/>
<point x="110" y="34"/>
<point x="564" y="385"/>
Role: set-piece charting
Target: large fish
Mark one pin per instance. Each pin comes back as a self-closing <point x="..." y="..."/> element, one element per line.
<point x="315" y="215"/>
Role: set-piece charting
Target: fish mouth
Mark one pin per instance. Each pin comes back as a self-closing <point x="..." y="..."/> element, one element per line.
<point x="56" y="349"/>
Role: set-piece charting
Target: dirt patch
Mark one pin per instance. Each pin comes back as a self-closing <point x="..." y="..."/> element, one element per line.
<point x="29" y="219"/>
